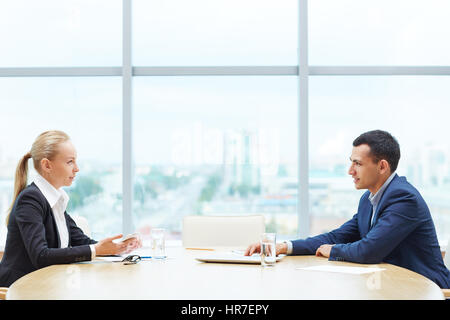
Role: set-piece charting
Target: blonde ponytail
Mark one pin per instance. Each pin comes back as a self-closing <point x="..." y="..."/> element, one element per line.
<point x="20" y="180"/>
<point x="45" y="146"/>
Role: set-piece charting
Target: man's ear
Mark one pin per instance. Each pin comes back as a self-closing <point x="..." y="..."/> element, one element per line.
<point x="384" y="166"/>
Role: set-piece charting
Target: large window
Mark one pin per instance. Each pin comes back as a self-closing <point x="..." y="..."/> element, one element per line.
<point x="225" y="107"/>
<point x="215" y="146"/>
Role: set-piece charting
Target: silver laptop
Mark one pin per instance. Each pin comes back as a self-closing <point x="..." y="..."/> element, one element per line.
<point x="229" y="257"/>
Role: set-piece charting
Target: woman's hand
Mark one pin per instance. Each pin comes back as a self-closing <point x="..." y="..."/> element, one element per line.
<point x="133" y="244"/>
<point x="108" y="247"/>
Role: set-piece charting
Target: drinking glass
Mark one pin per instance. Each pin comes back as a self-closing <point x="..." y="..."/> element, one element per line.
<point x="268" y="249"/>
<point x="158" y="243"/>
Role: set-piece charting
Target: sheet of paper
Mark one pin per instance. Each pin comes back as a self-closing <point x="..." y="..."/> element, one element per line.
<point x="342" y="269"/>
<point x="110" y="258"/>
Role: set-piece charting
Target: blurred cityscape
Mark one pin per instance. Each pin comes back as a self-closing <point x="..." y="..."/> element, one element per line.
<point x="247" y="179"/>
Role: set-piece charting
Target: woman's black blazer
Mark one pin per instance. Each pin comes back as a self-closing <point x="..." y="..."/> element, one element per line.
<point x="33" y="239"/>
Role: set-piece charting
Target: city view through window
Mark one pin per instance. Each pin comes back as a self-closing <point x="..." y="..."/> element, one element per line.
<point x="241" y="161"/>
<point x="226" y="145"/>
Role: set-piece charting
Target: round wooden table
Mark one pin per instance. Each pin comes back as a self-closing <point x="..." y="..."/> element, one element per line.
<point x="182" y="277"/>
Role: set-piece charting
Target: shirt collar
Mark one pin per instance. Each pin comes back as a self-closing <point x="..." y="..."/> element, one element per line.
<point x="375" y="198"/>
<point x="50" y="192"/>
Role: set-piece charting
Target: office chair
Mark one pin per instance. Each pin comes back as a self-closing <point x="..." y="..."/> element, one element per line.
<point x="3" y="292"/>
<point x="83" y="224"/>
<point x="446" y="257"/>
<point x="226" y="231"/>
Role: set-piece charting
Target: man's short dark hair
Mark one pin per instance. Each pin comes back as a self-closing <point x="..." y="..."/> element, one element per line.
<point x="382" y="146"/>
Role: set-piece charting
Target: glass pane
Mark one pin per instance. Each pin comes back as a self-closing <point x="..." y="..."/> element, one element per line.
<point x="413" y="109"/>
<point x="89" y="111"/>
<point x="215" y="146"/>
<point x="202" y="32"/>
<point x="61" y="33"/>
<point x="364" y="32"/>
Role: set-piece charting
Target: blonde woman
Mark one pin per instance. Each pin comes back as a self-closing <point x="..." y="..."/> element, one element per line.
<point x="40" y="232"/>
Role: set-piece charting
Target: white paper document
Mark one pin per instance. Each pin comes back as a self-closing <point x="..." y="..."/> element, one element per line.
<point x="110" y="258"/>
<point x="342" y="269"/>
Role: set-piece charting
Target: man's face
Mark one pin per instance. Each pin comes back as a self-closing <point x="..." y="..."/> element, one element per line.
<point x="365" y="172"/>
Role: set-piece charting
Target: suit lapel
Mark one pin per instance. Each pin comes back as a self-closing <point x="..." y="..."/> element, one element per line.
<point x="365" y="214"/>
<point x="68" y="229"/>
<point x="50" y="214"/>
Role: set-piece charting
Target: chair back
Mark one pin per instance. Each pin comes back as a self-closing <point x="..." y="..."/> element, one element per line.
<point x="447" y="256"/>
<point x="3" y="292"/>
<point x="228" y="231"/>
<point x="83" y="224"/>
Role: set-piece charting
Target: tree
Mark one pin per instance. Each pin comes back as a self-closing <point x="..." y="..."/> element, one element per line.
<point x="84" y="188"/>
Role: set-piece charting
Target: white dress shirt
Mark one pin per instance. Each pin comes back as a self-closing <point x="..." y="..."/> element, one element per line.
<point x="58" y="200"/>
<point x="375" y="198"/>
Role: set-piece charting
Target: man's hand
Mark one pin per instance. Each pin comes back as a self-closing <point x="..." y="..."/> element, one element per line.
<point x="256" y="248"/>
<point x="324" y="250"/>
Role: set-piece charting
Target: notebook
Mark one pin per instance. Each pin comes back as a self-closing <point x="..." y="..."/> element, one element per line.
<point x="226" y="257"/>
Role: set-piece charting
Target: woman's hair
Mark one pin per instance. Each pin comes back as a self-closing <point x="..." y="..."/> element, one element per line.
<point x="45" y="146"/>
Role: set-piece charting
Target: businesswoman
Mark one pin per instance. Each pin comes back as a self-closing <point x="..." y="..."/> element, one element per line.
<point x="40" y="232"/>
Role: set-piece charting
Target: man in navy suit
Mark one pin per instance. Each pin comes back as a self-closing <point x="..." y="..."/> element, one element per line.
<point x="393" y="223"/>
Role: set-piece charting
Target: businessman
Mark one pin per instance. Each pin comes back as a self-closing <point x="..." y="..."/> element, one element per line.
<point x="393" y="223"/>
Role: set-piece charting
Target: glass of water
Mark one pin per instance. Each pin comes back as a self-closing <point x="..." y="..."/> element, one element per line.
<point x="268" y="249"/>
<point x="158" y="243"/>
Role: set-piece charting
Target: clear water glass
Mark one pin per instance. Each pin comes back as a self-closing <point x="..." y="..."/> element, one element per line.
<point x="158" y="243"/>
<point x="268" y="249"/>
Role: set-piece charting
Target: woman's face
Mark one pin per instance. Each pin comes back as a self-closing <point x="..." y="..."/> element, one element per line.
<point x="62" y="169"/>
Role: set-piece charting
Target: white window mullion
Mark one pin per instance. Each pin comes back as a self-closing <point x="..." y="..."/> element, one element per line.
<point x="127" y="123"/>
<point x="379" y="70"/>
<point x="217" y="71"/>
<point x="303" y="156"/>
<point x="61" y="72"/>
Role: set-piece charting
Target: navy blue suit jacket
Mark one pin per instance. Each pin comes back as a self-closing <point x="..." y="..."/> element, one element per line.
<point x="33" y="239"/>
<point x="402" y="234"/>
